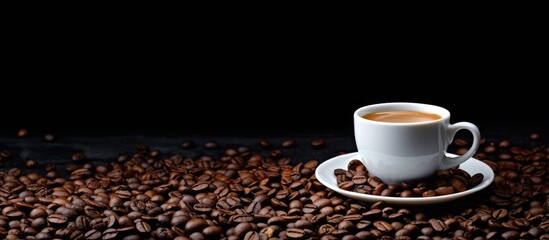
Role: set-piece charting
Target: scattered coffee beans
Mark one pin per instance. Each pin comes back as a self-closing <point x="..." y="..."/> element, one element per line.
<point x="247" y="193"/>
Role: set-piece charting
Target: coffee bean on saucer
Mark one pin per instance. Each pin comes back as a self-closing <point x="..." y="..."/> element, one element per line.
<point x="443" y="182"/>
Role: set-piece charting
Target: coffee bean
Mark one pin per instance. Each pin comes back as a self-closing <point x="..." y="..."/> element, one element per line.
<point x="288" y="143"/>
<point x="251" y="235"/>
<point x="383" y="226"/>
<point x="132" y="237"/>
<point x="57" y="219"/>
<point x="347" y="185"/>
<point x="241" y="218"/>
<point x="67" y="212"/>
<point x="475" y="180"/>
<point x="30" y="163"/>
<point x="188" y="144"/>
<point x="534" y="136"/>
<point x="211" y="144"/>
<point x="49" y="137"/>
<point x="93" y="234"/>
<point x="212" y="232"/>
<point x="295" y="233"/>
<point x="444" y="190"/>
<point x="323" y="202"/>
<point x="438" y="225"/>
<point x="374" y="181"/>
<point x="510" y="235"/>
<point x="78" y="157"/>
<point x="359" y="179"/>
<point x="143" y="227"/>
<point x="346" y="225"/>
<point x="459" y="184"/>
<point x="110" y="233"/>
<point x="23" y="132"/>
<point x="326" y="229"/>
<point x="317" y="143"/>
<point x="499" y="213"/>
<point x="203" y="208"/>
<point x="242" y="228"/>
<point x="429" y="193"/>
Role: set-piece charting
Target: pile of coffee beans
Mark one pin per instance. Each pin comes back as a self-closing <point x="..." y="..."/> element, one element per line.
<point x="357" y="178"/>
<point x="259" y="193"/>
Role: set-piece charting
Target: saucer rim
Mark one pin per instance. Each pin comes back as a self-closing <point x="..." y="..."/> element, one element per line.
<point x="401" y="200"/>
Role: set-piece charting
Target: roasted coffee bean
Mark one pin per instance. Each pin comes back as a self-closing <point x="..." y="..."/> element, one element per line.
<point x="265" y="143"/>
<point x="211" y="144"/>
<point x="295" y="233"/>
<point x="124" y="194"/>
<point x="82" y="222"/>
<point x="358" y="179"/>
<point x="143" y="227"/>
<point x="78" y="157"/>
<point x="326" y="229"/>
<point x="383" y="226"/>
<point x="347" y="185"/>
<point x="110" y="233"/>
<point x="288" y="143"/>
<point x="475" y="180"/>
<point x="534" y="136"/>
<point x="195" y="224"/>
<point x="23" y="132"/>
<point x="499" y="213"/>
<point x="438" y="225"/>
<point x="188" y="144"/>
<point x="353" y="164"/>
<point x="242" y="228"/>
<point x="31" y="163"/>
<point x="510" y="235"/>
<point x="251" y="235"/>
<point x="212" y="232"/>
<point x="374" y="181"/>
<point x="57" y="219"/>
<point x="200" y="207"/>
<point x="317" y="143"/>
<point x="445" y="190"/>
<point x="93" y="234"/>
<point x="429" y="193"/>
<point x="49" y="137"/>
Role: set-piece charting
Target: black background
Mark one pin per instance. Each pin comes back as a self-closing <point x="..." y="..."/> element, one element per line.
<point x="267" y="88"/>
<point x="268" y="108"/>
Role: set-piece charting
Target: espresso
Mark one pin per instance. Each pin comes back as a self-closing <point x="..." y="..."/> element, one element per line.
<point x="401" y="116"/>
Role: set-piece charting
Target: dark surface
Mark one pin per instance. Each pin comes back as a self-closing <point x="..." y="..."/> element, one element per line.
<point x="106" y="149"/>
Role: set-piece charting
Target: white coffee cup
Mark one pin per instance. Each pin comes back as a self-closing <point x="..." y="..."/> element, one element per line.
<point x="408" y="151"/>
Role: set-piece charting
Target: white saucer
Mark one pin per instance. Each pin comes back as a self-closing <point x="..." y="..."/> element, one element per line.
<point x="325" y="174"/>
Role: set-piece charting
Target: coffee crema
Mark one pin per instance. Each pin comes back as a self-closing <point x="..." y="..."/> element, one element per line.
<point x="401" y="116"/>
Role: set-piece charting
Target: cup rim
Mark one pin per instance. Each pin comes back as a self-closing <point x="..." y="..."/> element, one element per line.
<point x="443" y="112"/>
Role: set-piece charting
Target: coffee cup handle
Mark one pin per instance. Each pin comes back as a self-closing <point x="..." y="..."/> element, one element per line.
<point x="449" y="162"/>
